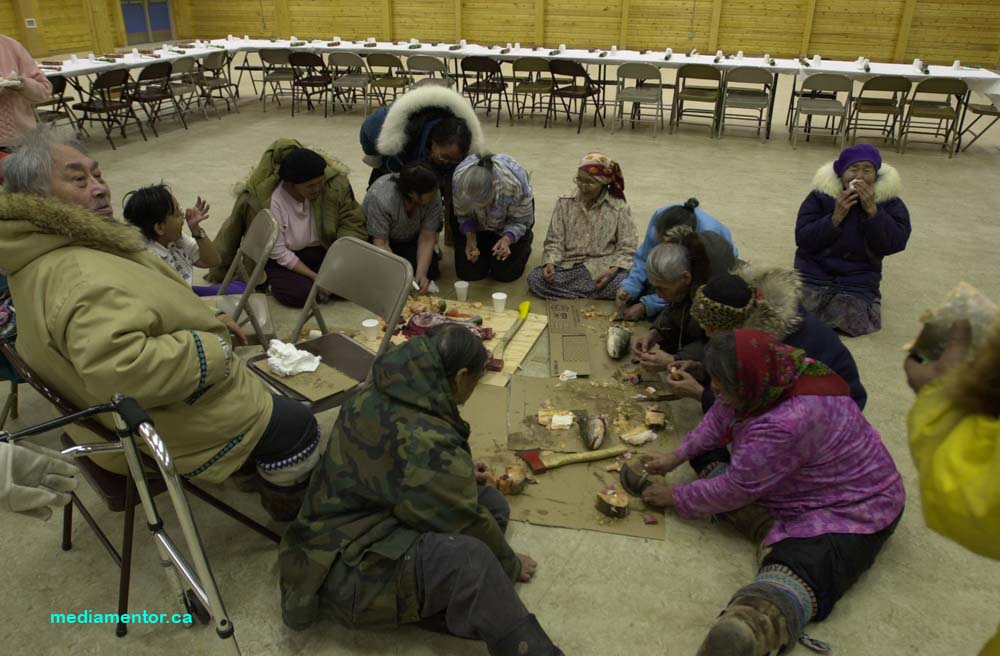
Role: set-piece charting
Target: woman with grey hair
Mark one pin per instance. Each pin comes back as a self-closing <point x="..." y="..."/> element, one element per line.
<point x="677" y="268"/>
<point x="495" y="211"/>
<point x="591" y="240"/>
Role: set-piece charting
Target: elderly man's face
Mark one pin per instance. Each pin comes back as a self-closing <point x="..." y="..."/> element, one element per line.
<point x="77" y="179"/>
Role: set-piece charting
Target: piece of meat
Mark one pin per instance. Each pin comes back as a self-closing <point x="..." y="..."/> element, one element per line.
<point x="421" y="322"/>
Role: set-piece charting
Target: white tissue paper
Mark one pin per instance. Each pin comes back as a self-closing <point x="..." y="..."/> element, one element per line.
<point x="286" y="360"/>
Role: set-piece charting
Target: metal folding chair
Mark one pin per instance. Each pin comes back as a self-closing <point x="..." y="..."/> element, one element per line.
<point x="938" y="117"/>
<point x="215" y="79"/>
<point x="647" y="90"/>
<point x="566" y="87"/>
<point x="310" y="78"/>
<point x="186" y="85"/>
<point x="697" y="93"/>
<point x="350" y="75"/>
<point x="57" y="107"/>
<point x="871" y="100"/>
<point x="109" y="104"/>
<point x="433" y="72"/>
<point x="394" y="77"/>
<point x="981" y="111"/>
<point x="359" y="273"/>
<point x="832" y="108"/>
<point x="753" y="96"/>
<point x="152" y="89"/>
<point x="531" y="78"/>
<point x="487" y="82"/>
<point x="248" y="265"/>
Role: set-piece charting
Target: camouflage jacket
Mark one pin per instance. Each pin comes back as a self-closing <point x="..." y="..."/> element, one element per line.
<point x="398" y="465"/>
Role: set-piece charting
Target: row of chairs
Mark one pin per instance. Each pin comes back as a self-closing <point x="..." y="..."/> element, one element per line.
<point x="160" y="89"/>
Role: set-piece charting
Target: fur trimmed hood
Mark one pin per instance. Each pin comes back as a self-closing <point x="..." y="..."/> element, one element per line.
<point x="888" y="184"/>
<point x="31" y="226"/>
<point x="393" y="137"/>
<point x="777" y="311"/>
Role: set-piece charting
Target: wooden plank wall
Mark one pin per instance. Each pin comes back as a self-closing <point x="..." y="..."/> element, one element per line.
<point x="968" y="30"/>
<point x="886" y="30"/>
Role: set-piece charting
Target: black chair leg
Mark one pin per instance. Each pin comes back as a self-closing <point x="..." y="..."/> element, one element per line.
<point x="67" y="532"/>
<point x="125" y="573"/>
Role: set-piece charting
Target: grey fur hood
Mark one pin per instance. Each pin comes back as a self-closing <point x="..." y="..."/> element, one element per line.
<point x="392" y="139"/>
<point x="776" y="311"/>
<point x="887" y="185"/>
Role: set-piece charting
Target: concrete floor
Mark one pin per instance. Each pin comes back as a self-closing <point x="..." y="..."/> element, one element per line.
<point x="595" y="593"/>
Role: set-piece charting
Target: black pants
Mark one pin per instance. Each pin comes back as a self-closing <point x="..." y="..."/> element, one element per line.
<point x="291" y="428"/>
<point x="408" y="251"/>
<point x="830" y="563"/>
<point x="462" y="587"/>
<point x="488" y="265"/>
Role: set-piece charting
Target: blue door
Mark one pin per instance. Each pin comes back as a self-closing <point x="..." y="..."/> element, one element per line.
<point x="147" y="21"/>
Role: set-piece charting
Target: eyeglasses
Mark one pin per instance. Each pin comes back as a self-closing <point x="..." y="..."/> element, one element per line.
<point x="587" y="183"/>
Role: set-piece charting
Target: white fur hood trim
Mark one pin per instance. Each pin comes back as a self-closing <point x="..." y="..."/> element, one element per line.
<point x="392" y="138"/>
<point x="887" y="185"/>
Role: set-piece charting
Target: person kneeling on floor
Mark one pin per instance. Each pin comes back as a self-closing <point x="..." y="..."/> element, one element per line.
<point x="395" y="529"/>
<point x="802" y="454"/>
<point x="102" y="315"/>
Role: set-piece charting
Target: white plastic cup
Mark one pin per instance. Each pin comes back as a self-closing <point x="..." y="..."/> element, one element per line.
<point x="767" y="57"/>
<point x="336" y="39"/>
<point x="230" y="37"/>
<point x="509" y="46"/>
<point x="517" y="45"/>
<point x="957" y="65"/>
<point x="413" y="42"/>
<point x="562" y="47"/>
<point x="614" y="48"/>
<point x="461" y="290"/>
<point x="90" y="56"/>
<point x="246" y="37"/>
<point x="369" y="328"/>
<point x="739" y="54"/>
<point x="462" y="43"/>
<point x="293" y="39"/>
<point x="73" y="58"/>
<point x="670" y="51"/>
<point x="499" y="301"/>
<point x="719" y="54"/>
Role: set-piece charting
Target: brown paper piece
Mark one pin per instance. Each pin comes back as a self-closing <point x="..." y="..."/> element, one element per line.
<point x="315" y="385"/>
<point x="514" y="353"/>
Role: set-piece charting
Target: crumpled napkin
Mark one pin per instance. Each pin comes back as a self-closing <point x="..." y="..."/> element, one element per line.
<point x="286" y="360"/>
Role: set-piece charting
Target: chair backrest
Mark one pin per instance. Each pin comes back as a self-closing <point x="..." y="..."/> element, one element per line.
<point x="893" y="83"/>
<point x="255" y="248"/>
<point x="480" y="64"/>
<point x="699" y="72"/>
<point x="306" y="60"/>
<point x="638" y="71"/>
<point x="156" y="71"/>
<point x="531" y="65"/>
<point x="214" y="61"/>
<point x="749" y="75"/>
<point x="426" y="64"/>
<point x="364" y="274"/>
<point x="184" y="66"/>
<point x="568" y="68"/>
<point x="942" y="85"/>
<point x="58" y="86"/>
<point x="827" y="82"/>
<point x="275" y="56"/>
<point x="110" y="80"/>
<point x="346" y="60"/>
<point x="385" y="60"/>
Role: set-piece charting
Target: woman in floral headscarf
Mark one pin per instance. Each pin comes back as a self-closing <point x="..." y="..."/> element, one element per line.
<point x="800" y="448"/>
<point x="591" y="240"/>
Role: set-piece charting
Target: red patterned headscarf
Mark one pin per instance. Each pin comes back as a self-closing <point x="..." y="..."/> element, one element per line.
<point x="768" y="372"/>
<point x="606" y="171"/>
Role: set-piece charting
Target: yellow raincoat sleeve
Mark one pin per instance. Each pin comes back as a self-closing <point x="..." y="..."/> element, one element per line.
<point x="958" y="458"/>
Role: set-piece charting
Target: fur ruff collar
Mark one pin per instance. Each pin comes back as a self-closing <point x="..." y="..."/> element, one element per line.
<point x="777" y="312"/>
<point x="887" y="185"/>
<point x="392" y="139"/>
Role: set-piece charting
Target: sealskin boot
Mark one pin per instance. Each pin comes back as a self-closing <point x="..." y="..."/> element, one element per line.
<point x="753" y="521"/>
<point x="752" y="626"/>
<point x="282" y="503"/>
<point x="528" y="639"/>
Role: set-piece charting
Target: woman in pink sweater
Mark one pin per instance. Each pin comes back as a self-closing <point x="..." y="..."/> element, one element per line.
<point x="802" y="450"/>
<point x="22" y="83"/>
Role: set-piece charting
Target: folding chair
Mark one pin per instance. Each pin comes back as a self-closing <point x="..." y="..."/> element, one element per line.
<point x="360" y="273"/>
<point x="108" y="101"/>
<point x="248" y="265"/>
<point x="572" y="90"/>
<point x="754" y="97"/>
<point x="10" y="406"/>
<point x="249" y="69"/>
<point x="534" y="82"/>
<point x="186" y="85"/>
<point x="832" y="108"/>
<point x="57" y="108"/>
<point x="350" y="75"/>
<point x="277" y="73"/>
<point x="487" y="82"/>
<point x="648" y="90"/>
<point x="697" y="93"/>
<point x="309" y="78"/>
<point x="890" y="109"/>
<point x="151" y="89"/>
<point x="215" y="79"/>
<point x="394" y="78"/>
<point x="937" y="113"/>
<point x="122" y="493"/>
<point x="981" y="111"/>
<point x="434" y="70"/>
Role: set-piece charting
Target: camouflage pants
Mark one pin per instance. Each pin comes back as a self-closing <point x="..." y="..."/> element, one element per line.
<point x="462" y="587"/>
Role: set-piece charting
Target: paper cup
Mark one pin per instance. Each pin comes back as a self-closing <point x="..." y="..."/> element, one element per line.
<point x="614" y="48"/>
<point x="461" y="290"/>
<point x="369" y="328"/>
<point x="562" y="47"/>
<point x="517" y="45"/>
<point x="462" y="43"/>
<point x="246" y="37"/>
<point x="957" y="65"/>
<point x="670" y="51"/>
<point x="499" y="301"/>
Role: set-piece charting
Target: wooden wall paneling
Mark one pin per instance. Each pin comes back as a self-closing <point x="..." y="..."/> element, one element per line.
<point x="903" y="35"/>
<point x="10" y="23"/>
<point x="967" y="30"/>
<point x="539" y="22"/>
<point x="807" y="28"/>
<point x="183" y="26"/>
<point x="776" y="27"/>
<point x="34" y="39"/>
<point x="219" y="18"/>
<point x="283" y="20"/>
<point x="848" y="30"/>
<point x="118" y="21"/>
<point x="325" y="19"/>
<point x="582" y="23"/>
<point x="386" y="32"/>
<point x="661" y="24"/>
<point x="65" y="25"/>
<point x="459" y="24"/>
<point x="499" y="21"/>
<point x="713" y="30"/>
<point x="427" y="20"/>
<point x="623" y="25"/>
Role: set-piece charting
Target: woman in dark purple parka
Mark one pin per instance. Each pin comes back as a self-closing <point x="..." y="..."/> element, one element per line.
<point x="851" y="219"/>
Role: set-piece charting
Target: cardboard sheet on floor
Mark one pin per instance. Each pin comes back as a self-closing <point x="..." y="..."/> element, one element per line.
<point x="565" y="497"/>
<point x="589" y="320"/>
<point x="583" y="397"/>
<point x="315" y="385"/>
<point x="515" y="352"/>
